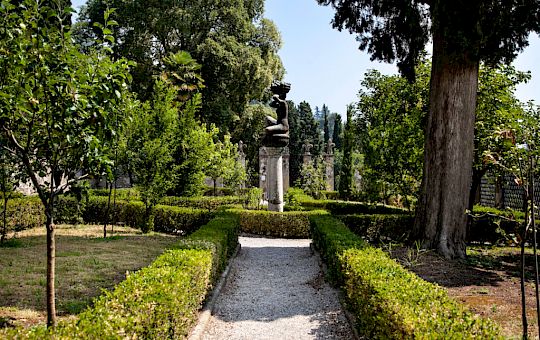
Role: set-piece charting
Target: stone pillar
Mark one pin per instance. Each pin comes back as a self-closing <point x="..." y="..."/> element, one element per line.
<point x="329" y="164"/>
<point x="275" y="178"/>
<point x="286" y="158"/>
<point x="263" y="171"/>
<point x="306" y="152"/>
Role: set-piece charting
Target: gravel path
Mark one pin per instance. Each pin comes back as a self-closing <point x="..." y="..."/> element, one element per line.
<point x="276" y="290"/>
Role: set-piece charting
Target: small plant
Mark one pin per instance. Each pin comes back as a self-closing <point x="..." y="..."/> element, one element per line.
<point x="252" y="199"/>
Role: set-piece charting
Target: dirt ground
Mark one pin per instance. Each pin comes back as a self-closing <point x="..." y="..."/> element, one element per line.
<point x="487" y="282"/>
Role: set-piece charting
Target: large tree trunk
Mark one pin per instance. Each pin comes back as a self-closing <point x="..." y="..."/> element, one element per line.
<point x="440" y="218"/>
<point x="51" y="258"/>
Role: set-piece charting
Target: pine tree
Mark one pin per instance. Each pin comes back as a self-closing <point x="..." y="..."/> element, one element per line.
<point x="463" y="33"/>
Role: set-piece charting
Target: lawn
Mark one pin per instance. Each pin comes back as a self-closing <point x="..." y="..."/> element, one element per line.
<point x="86" y="263"/>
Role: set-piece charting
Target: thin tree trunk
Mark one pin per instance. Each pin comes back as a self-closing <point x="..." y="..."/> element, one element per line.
<point x="4" y="218"/>
<point x="107" y="214"/>
<point x="51" y="259"/>
<point x="440" y="218"/>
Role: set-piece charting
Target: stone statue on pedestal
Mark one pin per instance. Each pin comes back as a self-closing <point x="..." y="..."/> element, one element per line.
<point x="277" y="130"/>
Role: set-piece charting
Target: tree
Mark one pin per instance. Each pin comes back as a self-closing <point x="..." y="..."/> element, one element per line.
<point x="497" y="111"/>
<point x="224" y="164"/>
<point x="345" y="177"/>
<point x="337" y="133"/>
<point x="326" y="129"/>
<point x="150" y="144"/>
<point x="236" y="46"/>
<point x="463" y="34"/>
<point x="303" y="128"/>
<point x="390" y="124"/>
<point x="57" y="106"/>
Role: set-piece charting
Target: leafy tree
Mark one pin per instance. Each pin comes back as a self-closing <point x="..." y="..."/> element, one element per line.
<point x="224" y="164"/>
<point x="57" y="106"/>
<point x="497" y="110"/>
<point x="312" y="178"/>
<point x="235" y="44"/>
<point x="150" y="144"/>
<point x="345" y="176"/>
<point x="463" y="34"/>
<point x="391" y="115"/>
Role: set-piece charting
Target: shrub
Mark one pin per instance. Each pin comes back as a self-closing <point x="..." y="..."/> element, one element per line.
<point x="348" y="207"/>
<point x="126" y="194"/>
<point x="210" y="203"/>
<point x="251" y="198"/>
<point x="275" y="224"/>
<point x="159" y="301"/>
<point x="166" y="218"/>
<point x="388" y="301"/>
<point x="378" y="228"/>
<point x="24" y="213"/>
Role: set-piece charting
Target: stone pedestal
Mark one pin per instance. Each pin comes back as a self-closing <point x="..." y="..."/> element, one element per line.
<point x="329" y="164"/>
<point x="274" y="178"/>
<point x="286" y="158"/>
<point x="263" y="172"/>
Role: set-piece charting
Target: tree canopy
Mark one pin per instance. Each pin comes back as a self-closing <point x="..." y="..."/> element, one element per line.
<point x="236" y="46"/>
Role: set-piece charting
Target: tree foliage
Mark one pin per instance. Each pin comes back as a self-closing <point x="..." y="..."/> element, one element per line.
<point x="57" y="105"/>
<point x="463" y="33"/>
<point x="345" y="186"/>
<point x="235" y="44"/>
<point x="303" y="128"/>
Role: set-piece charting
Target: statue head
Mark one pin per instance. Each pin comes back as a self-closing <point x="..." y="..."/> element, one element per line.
<point x="280" y="88"/>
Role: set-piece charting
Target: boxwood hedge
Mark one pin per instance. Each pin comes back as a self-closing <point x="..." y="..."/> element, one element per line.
<point x="292" y="224"/>
<point x="388" y="301"/>
<point x="159" y="301"/>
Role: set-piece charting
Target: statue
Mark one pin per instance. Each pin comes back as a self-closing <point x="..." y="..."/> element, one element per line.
<point x="241" y="147"/>
<point x="330" y="147"/>
<point x="277" y="130"/>
<point x="306" y="148"/>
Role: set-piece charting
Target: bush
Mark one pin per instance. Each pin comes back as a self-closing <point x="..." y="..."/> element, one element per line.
<point x="159" y="301"/>
<point x="126" y="194"/>
<point x="210" y="203"/>
<point x="276" y="224"/>
<point x="379" y="228"/>
<point x="167" y="219"/>
<point x="348" y="207"/>
<point x="24" y="213"/>
<point x="388" y="301"/>
<point x="251" y="199"/>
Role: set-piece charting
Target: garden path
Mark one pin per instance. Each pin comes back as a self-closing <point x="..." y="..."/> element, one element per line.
<point x="276" y="290"/>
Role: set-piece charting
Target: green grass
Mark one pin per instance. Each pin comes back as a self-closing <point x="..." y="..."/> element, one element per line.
<point x="86" y="263"/>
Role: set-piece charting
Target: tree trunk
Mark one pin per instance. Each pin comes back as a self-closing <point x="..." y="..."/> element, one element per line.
<point x="440" y="218"/>
<point x="51" y="258"/>
<point x="4" y="218"/>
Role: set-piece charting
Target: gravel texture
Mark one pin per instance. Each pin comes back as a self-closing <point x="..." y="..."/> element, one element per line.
<point x="276" y="290"/>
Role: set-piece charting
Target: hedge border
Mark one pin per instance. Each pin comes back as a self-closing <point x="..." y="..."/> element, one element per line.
<point x="159" y="301"/>
<point x="388" y="301"/>
<point x="291" y="224"/>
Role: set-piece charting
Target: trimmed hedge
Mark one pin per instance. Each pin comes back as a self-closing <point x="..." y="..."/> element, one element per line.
<point x="379" y="228"/>
<point x="159" y="301"/>
<point x="206" y="202"/>
<point x="294" y="224"/>
<point x="126" y="194"/>
<point x="348" y="207"/>
<point x="388" y="301"/>
<point x="167" y="219"/>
